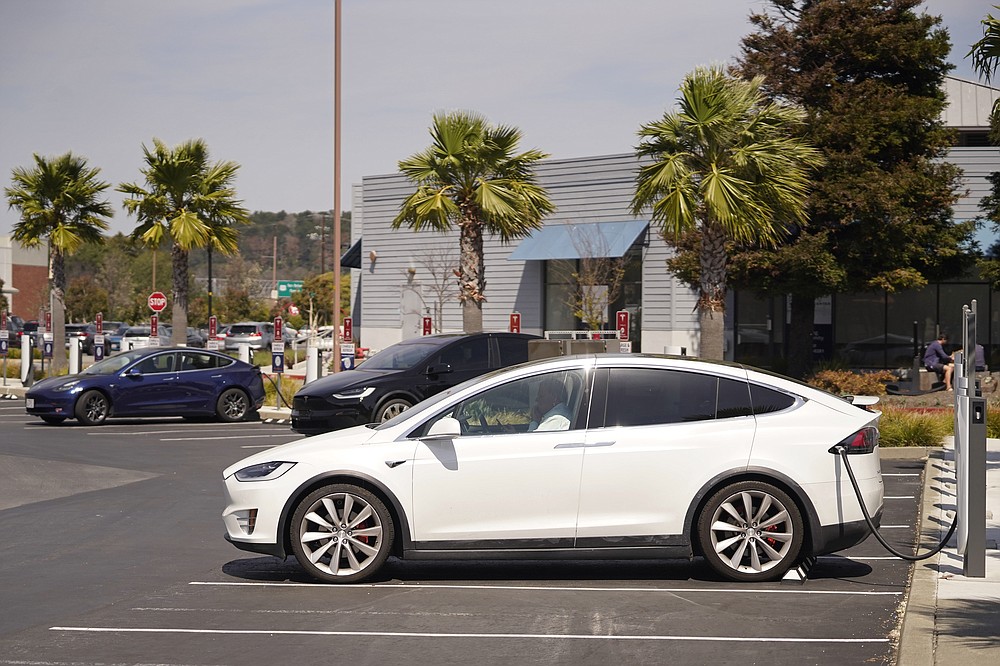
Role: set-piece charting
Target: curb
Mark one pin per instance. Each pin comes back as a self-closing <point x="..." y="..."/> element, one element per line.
<point x="917" y="640"/>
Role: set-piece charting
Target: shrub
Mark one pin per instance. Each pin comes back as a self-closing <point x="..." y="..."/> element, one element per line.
<point x="845" y="382"/>
<point x="993" y="418"/>
<point x="288" y="389"/>
<point x="905" y="427"/>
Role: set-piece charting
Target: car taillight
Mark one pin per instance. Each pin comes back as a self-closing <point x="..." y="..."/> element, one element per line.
<point x="255" y="335"/>
<point x="863" y="441"/>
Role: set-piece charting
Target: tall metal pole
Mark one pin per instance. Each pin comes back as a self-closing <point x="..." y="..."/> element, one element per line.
<point x="209" y="279"/>
<point x="336" y="185"/>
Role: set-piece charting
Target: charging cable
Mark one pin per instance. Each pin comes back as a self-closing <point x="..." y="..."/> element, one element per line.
<point x="842" y="450"/>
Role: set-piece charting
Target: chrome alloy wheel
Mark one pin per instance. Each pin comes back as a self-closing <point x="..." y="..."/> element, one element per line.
<point x="751" y="531"/>
<point x="233" y="405"/>
<point x="341" y="535"/>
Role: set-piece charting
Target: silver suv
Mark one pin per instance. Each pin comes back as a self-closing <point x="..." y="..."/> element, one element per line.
<point x="256" y="334"/>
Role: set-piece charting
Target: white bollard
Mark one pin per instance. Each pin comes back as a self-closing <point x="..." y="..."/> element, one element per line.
<point x="312" y="363"/>
<point x="75" y="358"/>
<point x="27" y="361"/>
<point x="244" y="352"/>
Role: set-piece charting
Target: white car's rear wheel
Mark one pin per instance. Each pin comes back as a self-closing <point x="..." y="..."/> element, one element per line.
<point x="341" y="533"/>
<point x="750" y="531"/>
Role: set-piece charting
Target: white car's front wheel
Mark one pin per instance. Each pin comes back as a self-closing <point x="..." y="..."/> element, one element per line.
<point x="341" y="533"/>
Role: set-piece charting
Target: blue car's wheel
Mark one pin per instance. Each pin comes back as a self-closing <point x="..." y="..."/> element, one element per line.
<point x="92" y="408"/>
<point x="233" y="405"/>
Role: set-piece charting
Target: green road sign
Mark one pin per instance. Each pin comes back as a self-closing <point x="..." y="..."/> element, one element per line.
<point x="288" y="287"/>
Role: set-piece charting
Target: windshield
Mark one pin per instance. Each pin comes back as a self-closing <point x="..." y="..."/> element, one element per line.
<point x="399" y="357"/>
<point x="113" y="364"/>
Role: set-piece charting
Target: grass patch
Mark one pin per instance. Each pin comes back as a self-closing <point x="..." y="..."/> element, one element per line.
<point x="289" y="387"/>
<point x="907" y="427"/>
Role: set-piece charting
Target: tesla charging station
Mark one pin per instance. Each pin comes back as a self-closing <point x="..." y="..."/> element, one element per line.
<point x="970" y="452"/>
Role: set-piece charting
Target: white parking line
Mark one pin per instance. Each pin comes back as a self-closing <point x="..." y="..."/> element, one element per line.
<point x="900" y="497"/>
<point x="541" y="588"/>
<point x="205" y="439"/>
<point x="427" y="634"/>
<point x="902" y="474"/>
<point x="165" y="432"/>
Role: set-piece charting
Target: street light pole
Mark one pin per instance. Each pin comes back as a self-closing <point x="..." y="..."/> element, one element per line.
<point x="336" y="185"/>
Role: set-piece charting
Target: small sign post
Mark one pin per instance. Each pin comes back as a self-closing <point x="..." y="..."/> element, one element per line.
<point x="428" y="323"/>
<point x="622" y="324"/>
<point x="348" y="330"/>
<point x="213" y="333"/>
<point x="515" y="322"/>
<point x="154" y="330"/>
<point x="99" y="337"/>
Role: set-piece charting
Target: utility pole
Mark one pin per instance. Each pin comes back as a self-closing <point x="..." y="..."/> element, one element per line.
<point x="336" y="185"/>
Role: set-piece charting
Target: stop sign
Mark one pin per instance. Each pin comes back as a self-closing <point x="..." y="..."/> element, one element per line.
<point x="157" y="301"/>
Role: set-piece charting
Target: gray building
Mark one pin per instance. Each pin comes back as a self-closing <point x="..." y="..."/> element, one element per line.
<point x="405" y="275"/>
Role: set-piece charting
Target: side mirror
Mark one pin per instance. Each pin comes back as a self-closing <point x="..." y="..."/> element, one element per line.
<point x="446" y="428"/>
<point x="133" y="373"/>
<point x="437" y="369"/>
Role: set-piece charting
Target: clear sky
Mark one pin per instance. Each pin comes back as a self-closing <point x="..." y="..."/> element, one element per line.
<point x="254" y="79"/>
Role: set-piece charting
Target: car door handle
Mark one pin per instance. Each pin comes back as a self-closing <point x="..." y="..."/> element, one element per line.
<point x="594" y="445"/>
<point x="394" y="463"/>
<point x="570" y="445"/>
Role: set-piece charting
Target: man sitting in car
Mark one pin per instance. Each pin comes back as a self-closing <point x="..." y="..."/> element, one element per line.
<point x="550" y="411"/>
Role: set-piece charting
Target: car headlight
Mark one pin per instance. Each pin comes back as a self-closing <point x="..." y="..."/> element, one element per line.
<point x="355" y="393"/>
<point x="264" y="471"/>
<point x="68" y="386"/>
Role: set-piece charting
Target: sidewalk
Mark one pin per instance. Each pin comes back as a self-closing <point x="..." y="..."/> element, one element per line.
<point x="950" y="619"/>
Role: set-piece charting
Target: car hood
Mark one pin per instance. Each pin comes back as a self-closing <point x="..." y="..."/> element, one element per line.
<point x="50" y="383"/>
<point x="346" y="379"/>
<point x="321" y="445"/>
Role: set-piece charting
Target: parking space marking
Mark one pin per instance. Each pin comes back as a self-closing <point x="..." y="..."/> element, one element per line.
<point x="554" y="588"/>
<point x="428" y="634"/>
<point x="902" y="474"/>
<point x="205" y="439"/>
<point x="900" y="497"/>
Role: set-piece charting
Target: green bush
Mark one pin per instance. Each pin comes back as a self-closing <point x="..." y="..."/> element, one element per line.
<point x="908" y="427"/>
<point x="993" y="418"/>
<point x="288" y="389"/>
<point x="845" y="382"/>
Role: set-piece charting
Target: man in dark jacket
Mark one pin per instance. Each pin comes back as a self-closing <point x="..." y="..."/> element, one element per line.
<point x="936" y="359"/>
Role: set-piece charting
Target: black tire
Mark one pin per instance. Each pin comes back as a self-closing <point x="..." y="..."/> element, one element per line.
<point x="92" y="408"/>
<point x="338" y="548"/>
<point x="53" y="420"/>
<point x="233" y="405"/>
<point x="391" y="408"/>
<point x="750" y="531"/>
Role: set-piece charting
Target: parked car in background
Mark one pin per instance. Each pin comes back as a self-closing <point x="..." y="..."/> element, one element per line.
<point x="400" y="376"/>
<point x="256" y="334"/>
<point x="109" y="327"/>
<point x="155" y="381"/>
<point x="601" y="455"/>
<point x="136" y="337"/>
<point x="15" y="326"/>
<point x="75" y="333"/>
<point x="34" y="332"/>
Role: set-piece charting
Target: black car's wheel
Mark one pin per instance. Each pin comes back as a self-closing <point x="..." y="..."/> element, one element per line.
<point x="92" y="408"/>
<point x="341" y="533"/>
<point x="53" y="420"/>
<point x="233" y="405"/>
<point x="392" y="408"/>
<point x="750" y="531"/>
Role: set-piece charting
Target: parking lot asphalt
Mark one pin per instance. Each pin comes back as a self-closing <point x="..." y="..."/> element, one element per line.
<point x="116" y="556"/>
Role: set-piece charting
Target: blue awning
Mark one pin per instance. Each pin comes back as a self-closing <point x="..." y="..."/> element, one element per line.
<point x="580" y="241"/>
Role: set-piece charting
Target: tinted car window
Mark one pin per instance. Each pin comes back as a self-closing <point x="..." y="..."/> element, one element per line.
<point x="156" y="364"/>
<point x="467" y="355"/>
<point x="512" y="351"/>
<point x="398" y="357"/>
<point x="734" y="399"/>
<point x="646" y="396"/>
<point x="198" y="361"/>
<point x="767" y="400"/>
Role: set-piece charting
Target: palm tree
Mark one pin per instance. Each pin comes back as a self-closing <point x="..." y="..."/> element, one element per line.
<point x="471" y="176"/>
<point x="190" y="202"/>
<point x="986" y="52"/>
<point x="726" y="165"/>
<point x="59" y="203"/>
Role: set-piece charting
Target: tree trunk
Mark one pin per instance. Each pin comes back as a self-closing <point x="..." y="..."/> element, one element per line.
<point x="800" y="340"/>
<point x="57" y="277"/>
<point x="178" y="319"/>
<point x="712" y="296"/>
<point x="471" y="278"/>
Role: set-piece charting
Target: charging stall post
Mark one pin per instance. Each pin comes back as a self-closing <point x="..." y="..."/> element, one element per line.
<point x="970" y="452"/>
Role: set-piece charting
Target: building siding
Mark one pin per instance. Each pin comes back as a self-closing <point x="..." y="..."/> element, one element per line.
<point x="584" y="190"/>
